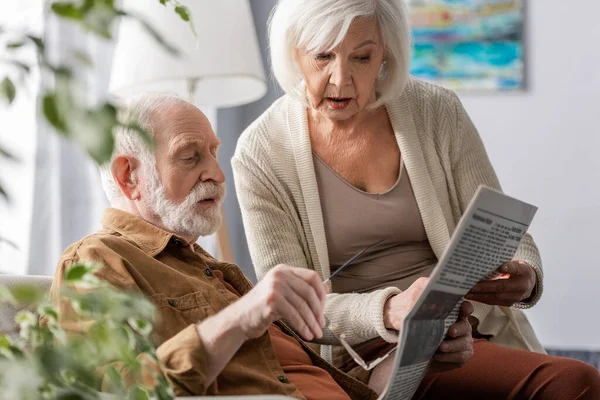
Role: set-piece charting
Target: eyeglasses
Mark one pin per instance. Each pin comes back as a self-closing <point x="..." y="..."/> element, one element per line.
<point x="342" y="337"/>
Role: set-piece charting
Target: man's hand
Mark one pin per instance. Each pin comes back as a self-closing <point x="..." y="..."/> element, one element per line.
<point x="294" y="294"/>
<point x="397" y="307"/>
<point x="515" y="285"/>
<point x="457" y="349"/>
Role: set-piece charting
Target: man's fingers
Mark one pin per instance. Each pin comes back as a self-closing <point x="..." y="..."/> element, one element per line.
<point x="308" y="294"/>
<point x="303" y="308"/>
<point x="312" y="278"/>
<point x="290" y="313"/>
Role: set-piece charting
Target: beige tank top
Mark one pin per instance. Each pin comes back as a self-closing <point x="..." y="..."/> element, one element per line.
<point x="355" y="219"/>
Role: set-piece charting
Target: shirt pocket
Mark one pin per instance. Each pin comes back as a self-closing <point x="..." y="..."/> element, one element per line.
<point x="176" y="313"/>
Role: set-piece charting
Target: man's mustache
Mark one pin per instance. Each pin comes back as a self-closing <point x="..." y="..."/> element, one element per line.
<point x="207" y="190"/>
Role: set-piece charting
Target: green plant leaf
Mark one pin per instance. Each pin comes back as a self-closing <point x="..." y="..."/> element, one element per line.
<point x="8" y="349"/>
<point x="4" y="342"/>
<point x="27" y="294"/>
<point x="83" y="59"/>
<point x="69" y="377"/>
<point x="92" y="303"/>
<point x="115" y="380"/>
<point x="8" y="90"/>
<point x="26" y="318"/>
<point x="52" y="114"/>
<point x="24" y="68"/>
<point x="76" y="272"/>
<point x="99" y="19"/>
<point x="67" y="10"/>
<point x="163" y="391"/>
<point x="141" y="326"/>
<point x="7" y="155"/>
<point x="3" y="193"/>
<point x="39" y="43"/>
<point x="136" y="393"/>
<point x="6" y="295"/>
<point x="87" y="5"/>
<point x="61" y="71"/>
<point x="156" y="35"/>
<point x="15" y="45"/>
<point x="73" y="394"/>
<point x="49" y="312"/>
<point x="9" y="242"/>
<point x="144" y="134"/>
<point x="164" y="2"/>
<point x="94" y="132"/>
<point x="183" y="12"/>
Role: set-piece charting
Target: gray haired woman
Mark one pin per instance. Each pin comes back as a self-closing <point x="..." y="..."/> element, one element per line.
<point x="358" y="151"/>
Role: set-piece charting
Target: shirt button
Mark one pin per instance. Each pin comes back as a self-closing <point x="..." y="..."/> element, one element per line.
<point x="172" y="302"/>
<point x="283" y="379"/>
<point x="178" y="242"/>
<point x="208" y="272"/>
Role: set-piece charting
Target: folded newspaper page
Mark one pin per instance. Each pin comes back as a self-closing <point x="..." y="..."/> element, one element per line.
<point x="487" y="236"/>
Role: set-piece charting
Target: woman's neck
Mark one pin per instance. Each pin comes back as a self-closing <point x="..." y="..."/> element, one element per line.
<point x="358" y="125"/>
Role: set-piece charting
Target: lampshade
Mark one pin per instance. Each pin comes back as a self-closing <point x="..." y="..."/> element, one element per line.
<point x="222" y="64"/>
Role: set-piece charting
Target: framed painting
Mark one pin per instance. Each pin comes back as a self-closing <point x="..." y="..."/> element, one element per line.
<point x="471" y="45"/>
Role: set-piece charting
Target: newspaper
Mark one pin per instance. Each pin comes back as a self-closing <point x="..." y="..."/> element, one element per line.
<point x="487" y="236"/>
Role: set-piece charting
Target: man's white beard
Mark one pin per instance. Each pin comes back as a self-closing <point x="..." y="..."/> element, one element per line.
<point x="184" y="219"/>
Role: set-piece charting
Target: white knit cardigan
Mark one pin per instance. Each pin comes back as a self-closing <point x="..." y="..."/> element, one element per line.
<point x="446" y="161"/>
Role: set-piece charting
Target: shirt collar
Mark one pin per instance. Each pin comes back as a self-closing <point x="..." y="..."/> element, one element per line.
<point x="150" y="238"/>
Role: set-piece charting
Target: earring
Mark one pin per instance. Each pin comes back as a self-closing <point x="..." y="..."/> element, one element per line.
<point x="382" y="69"/>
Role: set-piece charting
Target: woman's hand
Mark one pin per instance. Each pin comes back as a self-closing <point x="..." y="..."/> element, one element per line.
<point x="516" y="284"/>
<point x="457" y="349"/>
<point x="397" y="307"/>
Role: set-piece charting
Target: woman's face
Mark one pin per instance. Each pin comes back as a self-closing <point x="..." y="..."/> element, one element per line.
<point x="340" y="82"/>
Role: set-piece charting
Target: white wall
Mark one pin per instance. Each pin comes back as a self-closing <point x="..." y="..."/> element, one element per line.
<point x="545" y="146"/>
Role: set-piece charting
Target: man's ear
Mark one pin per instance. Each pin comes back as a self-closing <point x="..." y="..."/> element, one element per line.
<point x="125" y="172"/>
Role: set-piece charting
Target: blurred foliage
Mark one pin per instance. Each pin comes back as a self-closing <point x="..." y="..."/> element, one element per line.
<point x="48" y="361"/>
<point x="62" y="106"/>
<point x="45" y="361"/>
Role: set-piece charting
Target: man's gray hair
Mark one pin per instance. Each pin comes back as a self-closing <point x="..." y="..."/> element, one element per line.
<point x="320" y="25"/>
<point x="141" y="110"/>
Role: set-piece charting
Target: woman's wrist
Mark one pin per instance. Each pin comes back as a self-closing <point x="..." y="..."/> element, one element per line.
<point x="389" y="320"/>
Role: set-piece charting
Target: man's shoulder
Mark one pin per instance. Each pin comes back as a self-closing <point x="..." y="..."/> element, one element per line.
<point x="95" y="244"/>
<point x="106" y="249"/>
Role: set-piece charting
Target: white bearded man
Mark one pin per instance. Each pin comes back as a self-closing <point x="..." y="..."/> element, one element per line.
<point x="209" y="343"/>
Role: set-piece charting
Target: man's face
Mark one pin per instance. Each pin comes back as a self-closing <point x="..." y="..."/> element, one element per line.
<point x="186" y="188"/>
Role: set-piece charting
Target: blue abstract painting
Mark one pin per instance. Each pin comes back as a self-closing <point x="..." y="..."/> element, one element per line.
<point x="468" y="44"/>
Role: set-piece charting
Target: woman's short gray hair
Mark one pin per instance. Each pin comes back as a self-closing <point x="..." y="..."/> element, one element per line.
<point x="320" y="25"/>
<point x="128" y="142"/>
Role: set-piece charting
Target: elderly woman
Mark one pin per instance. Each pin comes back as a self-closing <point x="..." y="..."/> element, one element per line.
<point x="357" y="151"/>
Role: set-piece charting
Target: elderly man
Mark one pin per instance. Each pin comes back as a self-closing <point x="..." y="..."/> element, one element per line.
<point x="209" y="342"/>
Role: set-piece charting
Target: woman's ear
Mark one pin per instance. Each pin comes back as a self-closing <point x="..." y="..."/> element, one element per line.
<point x="125" y="173"/>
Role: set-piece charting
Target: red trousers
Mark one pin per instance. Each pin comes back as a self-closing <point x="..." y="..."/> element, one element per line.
<point x="500" y="373"/>
<point x="497" y="372"/>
